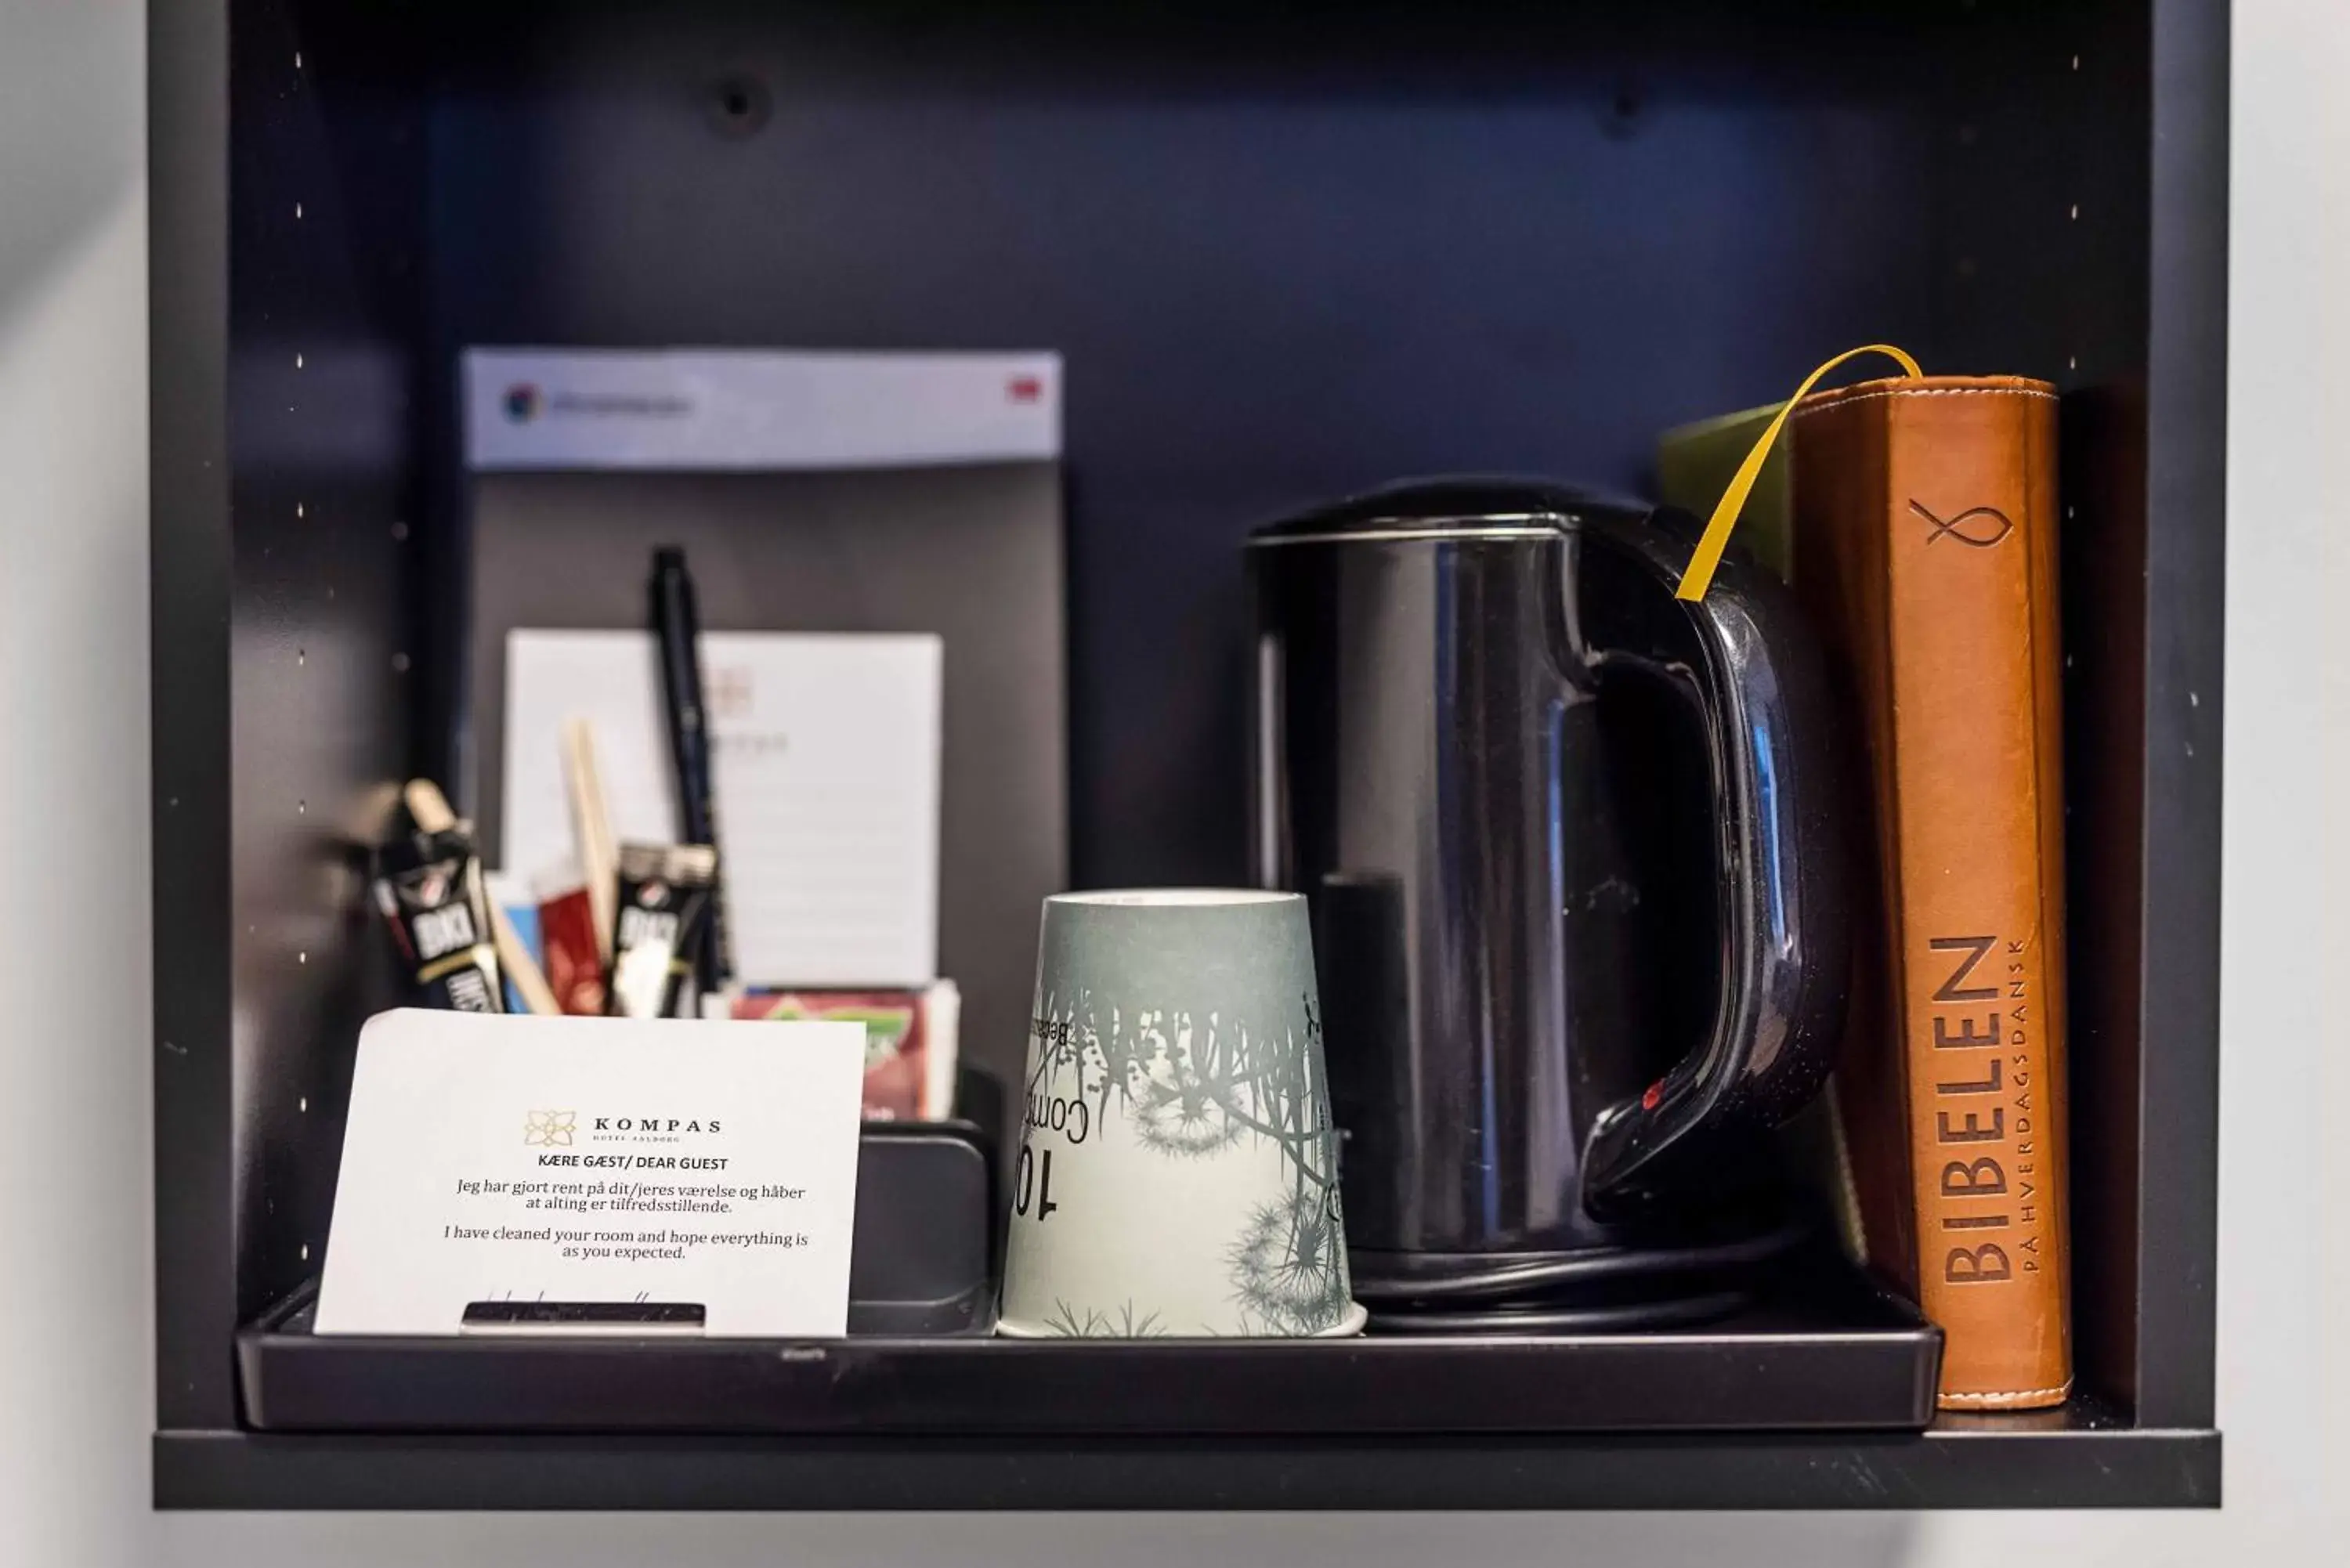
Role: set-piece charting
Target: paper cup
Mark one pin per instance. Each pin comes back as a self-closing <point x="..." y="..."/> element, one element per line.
<point x="1178" y="1170"/>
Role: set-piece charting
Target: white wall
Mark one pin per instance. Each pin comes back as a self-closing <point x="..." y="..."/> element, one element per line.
<point x="73" y="1162"/>
<point x="73" y="782"/>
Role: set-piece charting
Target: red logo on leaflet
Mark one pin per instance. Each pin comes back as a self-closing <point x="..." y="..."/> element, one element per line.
<point x="1025" y="388"/>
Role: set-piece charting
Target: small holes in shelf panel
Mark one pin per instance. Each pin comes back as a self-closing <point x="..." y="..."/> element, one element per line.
<point x="326" y="177"/>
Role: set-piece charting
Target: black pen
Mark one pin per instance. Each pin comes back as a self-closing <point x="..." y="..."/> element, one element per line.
<point x="677" y="629"/>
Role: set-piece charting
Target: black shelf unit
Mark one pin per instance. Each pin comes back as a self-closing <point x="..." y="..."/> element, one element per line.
<point x="1287" y="256"/>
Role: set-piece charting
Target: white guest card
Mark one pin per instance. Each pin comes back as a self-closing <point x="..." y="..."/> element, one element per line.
<point x="494" y="1160"/>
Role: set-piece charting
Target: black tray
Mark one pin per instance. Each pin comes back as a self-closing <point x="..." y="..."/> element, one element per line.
<point x="1822" y="1349"/>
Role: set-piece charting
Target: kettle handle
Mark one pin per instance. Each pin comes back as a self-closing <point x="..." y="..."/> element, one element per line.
<point x="1760" y="686"/>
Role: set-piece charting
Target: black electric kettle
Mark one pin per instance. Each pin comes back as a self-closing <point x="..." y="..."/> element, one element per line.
<point x="1576" y="878"/>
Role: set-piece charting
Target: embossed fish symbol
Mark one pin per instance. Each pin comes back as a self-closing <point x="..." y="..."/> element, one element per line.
<point x="1981" y="536"/>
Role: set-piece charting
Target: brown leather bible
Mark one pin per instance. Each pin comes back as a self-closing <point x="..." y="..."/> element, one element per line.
<point x="1926" y="545"/>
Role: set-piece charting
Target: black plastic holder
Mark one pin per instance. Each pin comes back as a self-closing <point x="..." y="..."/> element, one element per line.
<point x="1838" y="1354"/>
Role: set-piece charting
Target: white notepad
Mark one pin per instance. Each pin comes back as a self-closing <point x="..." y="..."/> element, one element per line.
<point x="825" y="751"/>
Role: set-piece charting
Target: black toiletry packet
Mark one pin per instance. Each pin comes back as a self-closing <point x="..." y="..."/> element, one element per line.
<point x="428" y="886"/>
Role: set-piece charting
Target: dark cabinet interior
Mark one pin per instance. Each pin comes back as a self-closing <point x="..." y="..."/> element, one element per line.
<point x="1287" y="253"/>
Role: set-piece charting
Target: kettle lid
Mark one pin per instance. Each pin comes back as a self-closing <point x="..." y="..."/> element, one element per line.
<point x="1458" y="504"/>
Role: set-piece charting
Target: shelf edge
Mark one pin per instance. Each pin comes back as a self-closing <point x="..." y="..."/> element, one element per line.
<point x="2161" y="1468"/>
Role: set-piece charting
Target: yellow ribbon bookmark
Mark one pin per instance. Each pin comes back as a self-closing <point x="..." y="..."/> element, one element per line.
<point x="1698" y="574"/>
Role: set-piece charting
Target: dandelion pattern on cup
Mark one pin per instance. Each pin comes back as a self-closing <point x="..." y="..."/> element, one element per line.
<point x="1125" y="1322"/>
<point x="1191" y="1085"/>
<point x="1284" y="1270"/>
